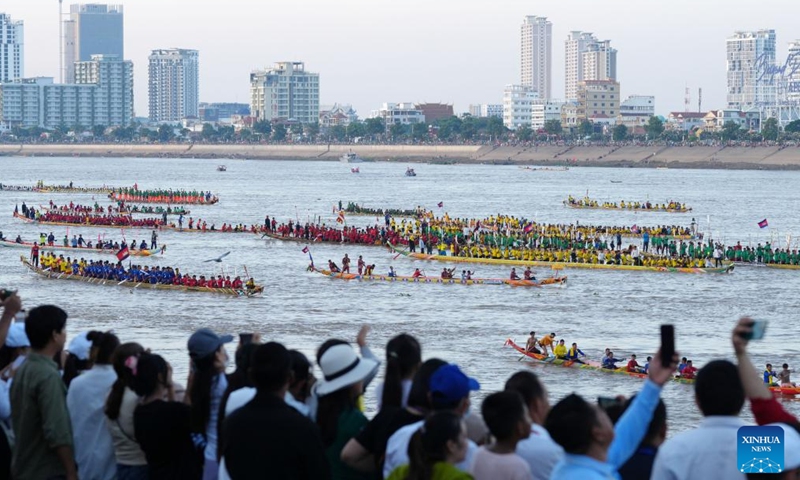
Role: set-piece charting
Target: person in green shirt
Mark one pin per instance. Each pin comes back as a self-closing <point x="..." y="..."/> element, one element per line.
<point x="435" y="449"/>
<point x="39" y="416"/>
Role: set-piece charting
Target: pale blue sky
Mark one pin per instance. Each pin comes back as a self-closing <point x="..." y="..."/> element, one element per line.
<point x="461" y="52"/>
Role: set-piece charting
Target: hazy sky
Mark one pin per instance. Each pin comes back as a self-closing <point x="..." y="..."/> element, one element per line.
<point x="455" y="51"/>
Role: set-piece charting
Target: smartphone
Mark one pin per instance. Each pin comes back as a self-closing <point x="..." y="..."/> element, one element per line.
<point x="608" y="402"/>
<point x="5" y="294"/>
<point x="759" y="328"/>
<point x="245" y="338"/>
<point x="667" y="344"/>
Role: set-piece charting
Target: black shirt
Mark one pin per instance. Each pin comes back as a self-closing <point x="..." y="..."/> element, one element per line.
<point x="267" y="438"/>
<point x="640" y="465"/>
<point x="376" y="434"/>
<point x="163" y="430"/>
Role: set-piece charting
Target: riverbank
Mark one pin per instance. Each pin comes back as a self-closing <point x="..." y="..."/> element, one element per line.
<point x="720" y="157"/>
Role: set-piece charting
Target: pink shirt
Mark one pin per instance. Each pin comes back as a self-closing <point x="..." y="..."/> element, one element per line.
<point x="492" y="466"/>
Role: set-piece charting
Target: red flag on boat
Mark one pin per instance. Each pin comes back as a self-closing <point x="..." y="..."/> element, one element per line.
<point x="763" y="223"/>
<point x="528" y="228"/>
<point x="340" y="217"/>
<point x="123" y="254"/>
<point x="440" y="204"/>
<point x="305" y="249"/>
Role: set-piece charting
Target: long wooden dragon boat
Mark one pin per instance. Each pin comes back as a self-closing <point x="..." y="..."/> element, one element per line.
<point x="596" y="366"/>
<point x="556" y="281"/>
<point x="558" y="265"/>
<point x="84" y="250"/>
<point x="141" y="285"/>
<point x="600" y="206"/>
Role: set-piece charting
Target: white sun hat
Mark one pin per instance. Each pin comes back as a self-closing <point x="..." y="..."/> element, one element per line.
<point x="341" y="367"/>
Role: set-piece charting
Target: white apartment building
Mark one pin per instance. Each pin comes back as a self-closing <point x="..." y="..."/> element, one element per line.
<point x="474" y="110"/>
<point x="517" y="105"/>
<point x="286" y="91"/>
<point x="174" y="84"/>
<point x="638" y="106"/>
<point x="102" y="95"/>
<point x="537" y="55"/>
<point x="792" y="86"/>
<point x="403" y="113"/>
<point x="587" y="58"/>
<point x="749" y="54"/>
<point x="492" y="110"/>
<point x="545" y="111"/>
<point x="11" y="49"/>
<point x="91" y="29"/>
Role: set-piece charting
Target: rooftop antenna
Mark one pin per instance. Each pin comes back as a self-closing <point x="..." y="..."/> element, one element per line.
<point x="699" y="99"/>
<point x="687" y="100"/>
<point x="61" y="41"/>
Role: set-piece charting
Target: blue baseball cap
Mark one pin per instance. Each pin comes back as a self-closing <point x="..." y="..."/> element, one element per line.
<point x="449" y="384"/>
<point x="204" y="342"/>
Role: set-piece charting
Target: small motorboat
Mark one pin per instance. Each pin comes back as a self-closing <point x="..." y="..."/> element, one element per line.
<point x="222" y="168"/>
<point x="350" y="158"/>
<point x="410" y="172"/>
<point x="355" y="170"/>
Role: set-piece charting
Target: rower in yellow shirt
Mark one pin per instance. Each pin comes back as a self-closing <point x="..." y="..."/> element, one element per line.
<point x="560" y="350"/>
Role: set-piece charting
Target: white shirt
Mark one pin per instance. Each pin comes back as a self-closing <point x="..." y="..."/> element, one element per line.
<point x="541" y="452"/>
<point x="86" y="401"/>
<point x="709" y="451"/>
<point x="494" y="466"/>
<point x="126" y="448"/>
<point x="218" y="387"/>
<point x="397" y="449"/>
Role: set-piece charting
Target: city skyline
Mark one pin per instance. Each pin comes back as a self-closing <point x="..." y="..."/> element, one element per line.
<point x="671" y="47"/>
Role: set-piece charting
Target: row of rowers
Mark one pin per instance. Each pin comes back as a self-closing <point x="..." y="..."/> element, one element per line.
<point x="138" y="273"/>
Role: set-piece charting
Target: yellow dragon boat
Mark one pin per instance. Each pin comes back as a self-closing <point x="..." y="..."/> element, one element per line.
<point x="629" y="207"/>
<point x="556" y="281"/>
<point x="558" y="265"/>
<point x="84" y="250"/>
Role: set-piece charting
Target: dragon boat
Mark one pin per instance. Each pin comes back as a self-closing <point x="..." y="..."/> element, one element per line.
<point x="555" y="281"/>
<point x="558" y="265"/>
<point x="101" y="251"/>
<point x="141" y="285"/>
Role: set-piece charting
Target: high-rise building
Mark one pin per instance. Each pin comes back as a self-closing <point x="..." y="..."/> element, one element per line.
<point x="587" y="58"/>
<point x="92" y="29"/>
<point x="537" y="55"/>
<point x="101" y="96"/>
<point x="174" y="84"/>
<point x="517" y="105"/>
<point x="750" y="57"/>
<point x="792" y="86"/>
<point x="286" y="91"/>
<point x="11" y="49"/>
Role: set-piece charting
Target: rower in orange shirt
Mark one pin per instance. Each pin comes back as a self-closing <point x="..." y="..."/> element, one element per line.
<point x="547" y="341"/>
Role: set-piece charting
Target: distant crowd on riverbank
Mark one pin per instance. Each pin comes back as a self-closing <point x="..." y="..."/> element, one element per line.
<point x="104" y="409"/>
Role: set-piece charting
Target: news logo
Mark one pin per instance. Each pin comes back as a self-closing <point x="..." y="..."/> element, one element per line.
<point x="760" y="449"/>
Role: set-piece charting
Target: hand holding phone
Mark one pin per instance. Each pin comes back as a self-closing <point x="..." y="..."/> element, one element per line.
<point x="245" y="338"/>
<point x="758" y="328"/>
<point x="667" y="344"/>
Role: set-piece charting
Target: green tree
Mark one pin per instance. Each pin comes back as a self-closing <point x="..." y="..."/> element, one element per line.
<point x="311" y="131"/>
<point x="227" y="134"/>
<point x="165" y="133"/>
<point x="620" y="133"/>
<point x="356" y="129"/>
<point x="524" y="133"/>
<point x="495" y="127"/>
<point x="279" y="132"/>
<point x="792" y="127"/>
<point x="586" y="128"/>
<point x="245" y="134"/>
<point x="209" y="132"/>
<point x="419" y="131"/>
<point x="98" y="131"/>
<point x="730" y="130"/>
<point x="770" y="129"/>
<point x="397" y="130"/>
<point x="469" y="127"/>
<point x="375" y="126"/>
<point x="338" y="132"/>
<point x="262" y="127"/>
<point x="654" y="127"/>
<point x="553" y="127"/>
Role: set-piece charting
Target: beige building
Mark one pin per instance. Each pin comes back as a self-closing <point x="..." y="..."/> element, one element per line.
<point x="598" y="101"/>
<point x="587" y="58"/>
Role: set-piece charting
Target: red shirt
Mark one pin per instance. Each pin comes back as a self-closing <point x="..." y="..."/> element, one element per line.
<point x="212" y="283"/>
<point x="237" y="284"/>
<point x="632" y="366"/>
<point x="688" y="372"/>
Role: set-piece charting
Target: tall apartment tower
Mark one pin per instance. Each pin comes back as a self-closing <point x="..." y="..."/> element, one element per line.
<point x="113" y="94"/>
<point x="11" y="49"/>
<point x="92" y="29"/>
<point x="537" y="55"/>
<point x="174" y="84"/>
<point x="286" y="91"/>
<point x="587" y="59"/>
<point x="750" y="54"/>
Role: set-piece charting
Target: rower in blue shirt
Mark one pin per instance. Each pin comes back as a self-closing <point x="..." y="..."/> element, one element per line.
<point x="573" y="353"/>
<point x="770" y="378"/>
<point x="610" y="362"/>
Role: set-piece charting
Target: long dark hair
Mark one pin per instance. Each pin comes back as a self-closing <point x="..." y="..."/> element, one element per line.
<point x="200" y="394"/>
<point x="429" y="444"/>
<point x="329" y="408"/>
<point x="418" y="397"/>
<point x="150" y="371"/>
<point x="124" y="377"/>
<point x="103" y="346"/>
<point x="403" y="356"/>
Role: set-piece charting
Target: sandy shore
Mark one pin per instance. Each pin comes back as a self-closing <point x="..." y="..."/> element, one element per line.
<point x="774" y="158"/>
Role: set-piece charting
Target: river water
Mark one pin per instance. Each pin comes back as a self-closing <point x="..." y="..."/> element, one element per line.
<point x="465" y="325"/>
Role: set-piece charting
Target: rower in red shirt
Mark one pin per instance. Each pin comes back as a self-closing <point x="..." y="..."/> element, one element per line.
<point x="633" y="365"/>
<point x="237" y="283"/>
<point x="514" y="275"/>
<point x="212" y="283"/>
<point x="228" y="282"/>
<point x="689" y="370"/>
<point x="416" y="273"/>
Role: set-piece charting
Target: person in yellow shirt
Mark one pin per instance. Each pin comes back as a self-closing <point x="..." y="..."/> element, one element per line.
<point x="547" y="342"/>
<point x="560" y="350"/>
